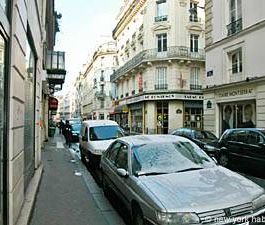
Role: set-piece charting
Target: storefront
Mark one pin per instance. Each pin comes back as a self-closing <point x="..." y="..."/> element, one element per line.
<point x="163" y="113"/>
<point x="193" y="114"/>
<point x="238" y="106"/>
<point x="136" y="116"/>
<point x="121" y="113"/>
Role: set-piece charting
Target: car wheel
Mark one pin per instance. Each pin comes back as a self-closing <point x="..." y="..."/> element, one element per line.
<point x="138" y="218"/>
<point x="223" y="160"/>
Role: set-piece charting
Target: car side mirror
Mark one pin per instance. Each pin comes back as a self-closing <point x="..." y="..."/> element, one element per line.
<point x="122" y="172"/>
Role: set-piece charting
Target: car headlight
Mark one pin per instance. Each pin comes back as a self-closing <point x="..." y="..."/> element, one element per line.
<point x="259" y="202"/>
<point x="177" y="218"/>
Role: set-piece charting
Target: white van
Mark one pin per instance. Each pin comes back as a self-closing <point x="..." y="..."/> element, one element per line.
<point x="95" y="137"/>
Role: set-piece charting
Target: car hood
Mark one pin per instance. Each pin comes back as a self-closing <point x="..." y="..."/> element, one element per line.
<point x="201" y="190"/>
<point x="100" y="145"/>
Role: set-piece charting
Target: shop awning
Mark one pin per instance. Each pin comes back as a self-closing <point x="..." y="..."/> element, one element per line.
<point x="121" y="109"/>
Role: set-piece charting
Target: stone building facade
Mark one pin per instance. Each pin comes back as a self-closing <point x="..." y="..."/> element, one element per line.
<point x="161" y="65"/>
<point x="234" y="94"/>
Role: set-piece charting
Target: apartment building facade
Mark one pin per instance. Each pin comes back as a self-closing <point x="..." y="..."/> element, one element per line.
<point x="23" y="34"/>
<point x="96" y="85"/>
<point x="161" y="65"/>
<point x="235" y="75"/>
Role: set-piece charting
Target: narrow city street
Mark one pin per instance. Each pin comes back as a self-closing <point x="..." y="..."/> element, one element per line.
<point x="68" y="194"/>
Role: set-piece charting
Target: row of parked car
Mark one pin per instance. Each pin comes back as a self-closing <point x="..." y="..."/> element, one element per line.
<point x="241" y="149"/>
<point x="173" y="179"/>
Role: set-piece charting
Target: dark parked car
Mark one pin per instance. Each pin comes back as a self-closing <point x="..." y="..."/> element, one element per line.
<point x="204" y="139"/>
<point x="243" y="149"/>
<point x="76" y="127"/>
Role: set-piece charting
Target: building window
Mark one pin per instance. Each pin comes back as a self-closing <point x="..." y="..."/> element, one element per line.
<point x="236" y="60"/>
<point x="3" y="4"/>
<point x="235" y="17"/>
<point x="161" y="11"/>
<point x="161" y="78"/>
<point x="162" y="42"/>
<point x="193" y="12"/>
<point x="194" y="43"/>
<point x="29" y="115"/>
<point x="195" y="79"/>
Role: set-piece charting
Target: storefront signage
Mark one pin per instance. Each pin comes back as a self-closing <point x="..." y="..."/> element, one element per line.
<point x="152" y="97"/>
<point x="234" y="93"/>
<point x="173" y="96"/>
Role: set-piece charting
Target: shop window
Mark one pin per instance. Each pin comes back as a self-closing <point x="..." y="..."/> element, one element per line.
<point x="137" y="120"/>
<point x="162" y="117"/>
<point x="242" y="115"/>
<point x="193" y="115"/>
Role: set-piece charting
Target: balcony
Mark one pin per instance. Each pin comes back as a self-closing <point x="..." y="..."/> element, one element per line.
<point x="161" y="86"/>
<point x="175" y="52"/>
<point x="234" y="27"/>
<point x="161" y="18"/>
<point x="195" y="87"/>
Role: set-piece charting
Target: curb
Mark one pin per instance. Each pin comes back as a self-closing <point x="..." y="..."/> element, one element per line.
<point x="30" y="197"/>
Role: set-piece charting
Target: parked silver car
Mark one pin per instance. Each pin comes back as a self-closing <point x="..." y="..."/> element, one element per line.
<point x="169" y="180"/>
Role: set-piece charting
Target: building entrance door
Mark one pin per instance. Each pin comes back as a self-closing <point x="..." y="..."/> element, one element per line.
<point x="162" y="117"/>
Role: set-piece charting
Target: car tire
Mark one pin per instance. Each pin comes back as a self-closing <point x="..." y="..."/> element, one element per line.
<point x="223" y="160"/>
<point x="137" y="216"/>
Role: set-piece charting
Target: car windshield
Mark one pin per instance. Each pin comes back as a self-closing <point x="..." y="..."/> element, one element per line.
<point x="76" y="126"/>
<point x="105" y="133"/>
<point x="157" y="158"/>
<point x="204" y="135"/>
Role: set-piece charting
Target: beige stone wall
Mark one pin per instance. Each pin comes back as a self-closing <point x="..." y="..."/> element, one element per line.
<point x="23" y="12"/>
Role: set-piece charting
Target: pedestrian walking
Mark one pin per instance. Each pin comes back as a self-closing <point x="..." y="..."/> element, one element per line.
<point x="61" y="127"/>
<point x="68" y="133"/>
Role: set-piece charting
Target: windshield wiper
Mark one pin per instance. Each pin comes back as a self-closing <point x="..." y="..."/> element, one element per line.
<point x="150" y="173"/>
<point x="189" y="169"/>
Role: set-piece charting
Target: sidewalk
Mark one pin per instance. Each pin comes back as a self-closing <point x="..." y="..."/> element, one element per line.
<point x="63" y="197"/>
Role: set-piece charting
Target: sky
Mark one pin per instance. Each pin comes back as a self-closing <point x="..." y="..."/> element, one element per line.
<point x="85" y="24"/>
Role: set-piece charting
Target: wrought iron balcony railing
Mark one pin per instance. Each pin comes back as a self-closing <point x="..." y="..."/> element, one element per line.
<point x="175" y="52"/>
<point x="161" y="86"/>
<point x="161" y="18"/>
<point x="195" y="87"/>
<point x="234" y="27"/>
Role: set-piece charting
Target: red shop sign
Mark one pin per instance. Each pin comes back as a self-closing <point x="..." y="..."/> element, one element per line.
<point x="53" y="103"/>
